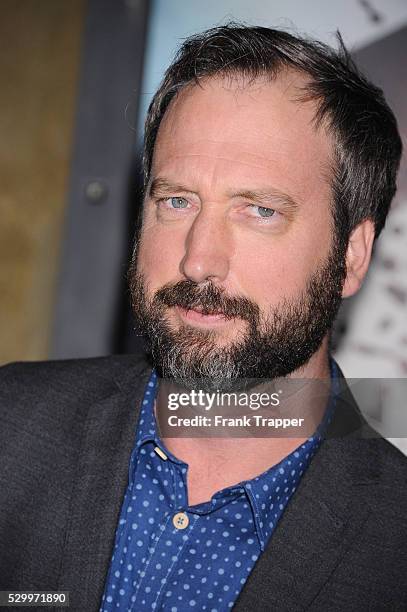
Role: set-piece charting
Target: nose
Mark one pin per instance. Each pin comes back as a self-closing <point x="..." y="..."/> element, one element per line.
<point x="207" y="248"/>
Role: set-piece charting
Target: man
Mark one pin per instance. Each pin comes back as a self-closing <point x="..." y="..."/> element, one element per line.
<point x="270" y="165"/>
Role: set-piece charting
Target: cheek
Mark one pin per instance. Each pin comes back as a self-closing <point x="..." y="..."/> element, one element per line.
<point x="159" y="255"/>
<point x="268" y="271"/>
<point x="267" y="277"/>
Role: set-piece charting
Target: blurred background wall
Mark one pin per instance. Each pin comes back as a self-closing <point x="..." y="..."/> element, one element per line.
<point x="39" y="64"/>
<point x="76" y="78"/>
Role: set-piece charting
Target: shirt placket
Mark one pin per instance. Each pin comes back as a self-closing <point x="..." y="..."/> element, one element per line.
<point x="173" y="535"/>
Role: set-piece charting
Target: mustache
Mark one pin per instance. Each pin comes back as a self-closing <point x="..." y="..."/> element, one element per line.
<point x="209" y="299"/>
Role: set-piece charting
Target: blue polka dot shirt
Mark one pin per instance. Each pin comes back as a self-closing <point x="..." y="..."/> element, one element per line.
<point x="173" y="557"/>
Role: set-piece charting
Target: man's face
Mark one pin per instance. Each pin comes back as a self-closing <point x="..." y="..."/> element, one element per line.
<point x="237" y="271"/>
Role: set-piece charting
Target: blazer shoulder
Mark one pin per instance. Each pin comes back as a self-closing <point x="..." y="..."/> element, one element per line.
<point x="26" y="384"/>
<point x="393" y="462"/>
<point x="385" y="467"/>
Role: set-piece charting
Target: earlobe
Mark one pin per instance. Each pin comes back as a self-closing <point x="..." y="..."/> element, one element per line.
<point x="358" y="255"/>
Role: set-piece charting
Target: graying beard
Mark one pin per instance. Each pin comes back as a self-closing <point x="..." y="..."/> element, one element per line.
<point x="215" y="369"/>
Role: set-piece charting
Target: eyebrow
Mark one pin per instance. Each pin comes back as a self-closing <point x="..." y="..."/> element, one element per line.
<point x="160" y="186"/>
<point x="163" y="186"/>
<point x="269" y="197"/>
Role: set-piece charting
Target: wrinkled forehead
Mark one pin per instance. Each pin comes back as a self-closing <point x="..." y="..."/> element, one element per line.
<point x="258" y="115"/>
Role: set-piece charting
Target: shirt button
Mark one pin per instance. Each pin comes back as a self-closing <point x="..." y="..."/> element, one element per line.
<point x="180" y="520"/>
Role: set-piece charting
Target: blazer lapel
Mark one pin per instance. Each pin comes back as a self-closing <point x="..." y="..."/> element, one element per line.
<point x="324" y="517"/>
<point x="100" y="484"/>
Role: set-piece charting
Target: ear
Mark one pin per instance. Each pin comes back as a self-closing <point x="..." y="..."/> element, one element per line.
<point x="358" y="255"/>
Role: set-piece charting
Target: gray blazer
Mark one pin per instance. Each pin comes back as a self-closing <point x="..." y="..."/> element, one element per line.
<point x="66" y="433"/>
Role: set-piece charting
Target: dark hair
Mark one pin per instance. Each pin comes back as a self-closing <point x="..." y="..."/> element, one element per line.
<point x="367" y="145"/>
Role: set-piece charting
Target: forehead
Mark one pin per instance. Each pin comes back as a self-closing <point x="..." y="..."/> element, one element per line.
<point x="226" y="130"/>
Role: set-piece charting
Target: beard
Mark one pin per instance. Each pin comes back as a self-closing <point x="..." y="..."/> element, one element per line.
<point x="274" y="344"/>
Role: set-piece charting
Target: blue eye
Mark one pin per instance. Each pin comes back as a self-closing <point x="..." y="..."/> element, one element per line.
<point x="178" y="202"/>
<point x="265" y="212"/>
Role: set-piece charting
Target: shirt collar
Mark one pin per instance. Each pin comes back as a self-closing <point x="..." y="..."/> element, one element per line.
<point x="269" y="492"/>
<point x="147" y="430"/>
<point x="147" y="426"/>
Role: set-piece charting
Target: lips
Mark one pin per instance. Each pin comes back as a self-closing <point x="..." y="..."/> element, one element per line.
<point x="201" y="316"/>
<point x="205" y="311"/>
